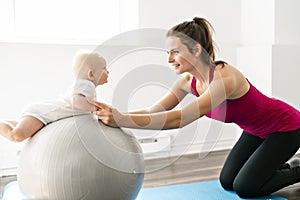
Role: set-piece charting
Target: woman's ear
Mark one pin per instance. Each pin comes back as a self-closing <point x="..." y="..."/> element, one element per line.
<point x="197" y="50"/>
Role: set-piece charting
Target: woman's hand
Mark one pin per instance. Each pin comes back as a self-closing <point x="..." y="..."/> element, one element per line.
<point x="108" y="115"/>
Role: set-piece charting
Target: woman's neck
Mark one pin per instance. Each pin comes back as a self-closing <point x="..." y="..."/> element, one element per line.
<point x="201" y="72"/>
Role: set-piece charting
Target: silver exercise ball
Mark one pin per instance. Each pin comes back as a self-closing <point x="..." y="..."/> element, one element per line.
<point x="80" y="158"/>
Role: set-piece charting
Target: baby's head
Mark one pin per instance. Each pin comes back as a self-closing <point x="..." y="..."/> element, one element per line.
<point x="90" y="66"/>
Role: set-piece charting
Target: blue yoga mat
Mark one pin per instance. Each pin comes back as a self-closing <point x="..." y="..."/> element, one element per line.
<point x="210" y="190"/>
<point x="12" y="192"/>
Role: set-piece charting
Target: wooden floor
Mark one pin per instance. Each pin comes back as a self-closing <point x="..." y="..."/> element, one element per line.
<point x="186" y="169"/>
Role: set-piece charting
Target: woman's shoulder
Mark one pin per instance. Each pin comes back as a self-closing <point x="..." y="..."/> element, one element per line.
<point x="234" y="80"/>
<point x="184" y="83"/>
<point x="228" y="71"/>
<point x="188" y="77"/>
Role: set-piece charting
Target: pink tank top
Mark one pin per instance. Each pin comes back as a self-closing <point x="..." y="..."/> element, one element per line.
<point x="255" y="113"/>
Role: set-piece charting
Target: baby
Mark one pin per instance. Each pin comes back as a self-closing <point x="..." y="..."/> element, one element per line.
<point x="90" y="71"/>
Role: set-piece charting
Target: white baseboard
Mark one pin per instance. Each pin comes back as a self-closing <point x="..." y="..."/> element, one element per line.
<point x="8" y="172"/>
<point x="8" y="165"/>
<point x="176" y="150"/>
<point x="203" y="148"/>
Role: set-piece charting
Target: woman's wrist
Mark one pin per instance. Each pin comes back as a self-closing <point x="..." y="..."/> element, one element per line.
<point x="122" y="119"/>
<point x="128" y="120"/>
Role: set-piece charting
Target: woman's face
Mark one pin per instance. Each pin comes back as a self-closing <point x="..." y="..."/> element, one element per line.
<point x="179" y="56"/>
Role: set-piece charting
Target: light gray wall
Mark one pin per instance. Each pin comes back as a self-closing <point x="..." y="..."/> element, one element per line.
<point x="285" y="73"/>
<point x="287" y="26"/>
<point x="286" y="52"/>
<point x="270" y="48"/>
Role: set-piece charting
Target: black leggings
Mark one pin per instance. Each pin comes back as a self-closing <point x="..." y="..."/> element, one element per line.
<point x="254" y="166"/>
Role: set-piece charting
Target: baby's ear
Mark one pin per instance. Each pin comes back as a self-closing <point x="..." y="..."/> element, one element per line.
<point x="90" y="74"/>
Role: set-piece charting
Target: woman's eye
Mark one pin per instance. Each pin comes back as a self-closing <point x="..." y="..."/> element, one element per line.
<point x="173" y="52"/>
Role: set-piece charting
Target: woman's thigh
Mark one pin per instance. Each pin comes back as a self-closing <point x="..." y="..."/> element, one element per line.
<point x="238" y="156"/>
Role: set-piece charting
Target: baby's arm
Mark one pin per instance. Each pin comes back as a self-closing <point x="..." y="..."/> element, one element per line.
<point x="81" y="102"/>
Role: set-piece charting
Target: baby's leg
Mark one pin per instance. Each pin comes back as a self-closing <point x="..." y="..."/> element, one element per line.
<point x="14" y="123"/>
<point x="6" y="127"/>
<point x="24" y="129"/>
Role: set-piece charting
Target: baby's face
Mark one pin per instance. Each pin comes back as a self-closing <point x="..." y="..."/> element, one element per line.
<point x="101" y="73"/>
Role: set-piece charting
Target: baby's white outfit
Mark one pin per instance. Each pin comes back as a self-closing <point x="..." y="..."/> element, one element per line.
<point x="49" y="111"/>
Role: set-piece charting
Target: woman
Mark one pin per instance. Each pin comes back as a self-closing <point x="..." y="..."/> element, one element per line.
<point x="256" y="164"/>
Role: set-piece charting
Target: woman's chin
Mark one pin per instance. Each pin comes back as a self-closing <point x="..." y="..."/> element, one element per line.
<point x="177" y="71"/>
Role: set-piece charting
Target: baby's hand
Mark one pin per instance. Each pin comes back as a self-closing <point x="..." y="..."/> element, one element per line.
<point x="106" y="113"/>
<point x="99" y="106"/>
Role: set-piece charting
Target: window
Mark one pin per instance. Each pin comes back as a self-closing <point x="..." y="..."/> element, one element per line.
<point x="76" y="21"/>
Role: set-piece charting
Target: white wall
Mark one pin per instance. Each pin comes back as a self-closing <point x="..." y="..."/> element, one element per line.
<point x="257" y="36"/>
<point x="269" y="52"/>
<point x="287" y="26"/>
<point x="286" y="51"/>
<point x="285" y="73"/>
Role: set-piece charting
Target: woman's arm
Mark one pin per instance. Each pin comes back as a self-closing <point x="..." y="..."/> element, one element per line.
<point x="170" y="100"/>
<point x="217" y="92"/>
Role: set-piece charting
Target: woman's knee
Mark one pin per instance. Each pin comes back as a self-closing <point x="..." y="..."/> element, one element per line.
<point x="239" y="185"/>
<point x="226" y="181"/>
<point x="245" y="189"/>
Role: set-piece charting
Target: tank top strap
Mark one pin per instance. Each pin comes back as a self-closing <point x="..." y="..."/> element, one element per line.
<point x="211" y="73"/>
<point x="193" y="87"/>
